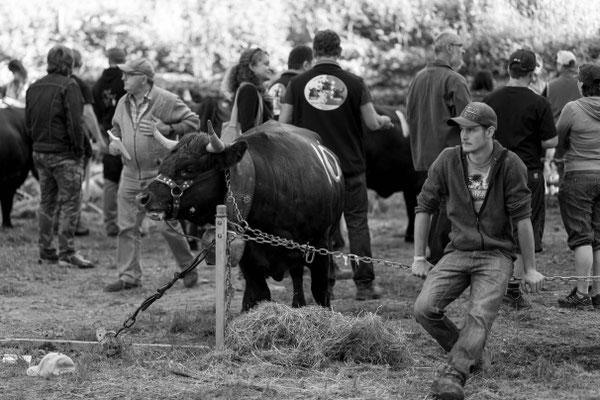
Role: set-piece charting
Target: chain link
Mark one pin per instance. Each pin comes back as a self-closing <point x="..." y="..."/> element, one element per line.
<point x="261" y="237"/>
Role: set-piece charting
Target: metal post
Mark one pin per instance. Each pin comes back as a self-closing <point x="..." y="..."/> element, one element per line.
<point x="220" y="266"/>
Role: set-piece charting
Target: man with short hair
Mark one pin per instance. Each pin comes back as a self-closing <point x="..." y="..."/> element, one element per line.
<point x="485" y="190"/>
<point x="53" y="117"/>
<point x="526" y="127"/>
<point x="436" y="94"/>
<point x="107" y="91"/>
<point x="145" y="109"/>
<point x="299" y="60"/>
<point x="334" y="103"/>
<point x="563" y="88"/>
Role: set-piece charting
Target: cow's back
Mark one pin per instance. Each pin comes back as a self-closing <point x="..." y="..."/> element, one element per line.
<point x="299" y="185"/>
<point x="389" y="162"/>
<point x="15" y="146"/>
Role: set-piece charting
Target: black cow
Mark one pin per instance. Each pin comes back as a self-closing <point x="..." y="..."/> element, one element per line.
<point x="285" y="183"/>
<point x="15" y="157"/>
<point x="389" y="165"/>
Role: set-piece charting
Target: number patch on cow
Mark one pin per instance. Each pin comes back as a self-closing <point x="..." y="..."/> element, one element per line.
<point x="329" y="163"/>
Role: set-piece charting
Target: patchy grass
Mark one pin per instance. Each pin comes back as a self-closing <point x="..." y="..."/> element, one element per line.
<point x="362" y="350"/>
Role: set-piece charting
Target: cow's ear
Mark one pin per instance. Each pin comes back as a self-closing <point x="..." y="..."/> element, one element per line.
<point x="233" y="154"/>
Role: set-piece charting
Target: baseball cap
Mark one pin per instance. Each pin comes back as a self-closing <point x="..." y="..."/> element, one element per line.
<point x="475" y="114"/>
<point x="523" y="60"/>
<point x="116" y="55"/>
<point x="589" y="74"/>
<point x="565" y="57"/>
<point x="140" y="65"/>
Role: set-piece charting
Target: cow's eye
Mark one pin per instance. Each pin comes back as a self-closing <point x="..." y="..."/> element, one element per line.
<point x="188" y="171"/>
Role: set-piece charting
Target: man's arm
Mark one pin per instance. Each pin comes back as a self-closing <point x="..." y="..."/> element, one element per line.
<point x="420" y="265"/>
<point x="372" y="120"/>
<point x="91" y="122"/>
<point x="531" y="276"/>
<point x="74" y="113"/>
<point x="550" y="143"/>
<point x="287" y="112"/>
<point x="185" y="121"/>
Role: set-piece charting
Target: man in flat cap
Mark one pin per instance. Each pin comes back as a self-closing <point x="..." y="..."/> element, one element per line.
<point x="484" y="186"/>
<point x="144" y="109"/>
<point x="525" y="126"/>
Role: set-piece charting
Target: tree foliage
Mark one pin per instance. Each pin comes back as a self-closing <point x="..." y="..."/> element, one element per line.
<point x="386" y="42"/>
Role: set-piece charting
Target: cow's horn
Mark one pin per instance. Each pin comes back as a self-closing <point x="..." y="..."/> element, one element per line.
<point x="168" y="143"/>
<point x="216" y="145"/>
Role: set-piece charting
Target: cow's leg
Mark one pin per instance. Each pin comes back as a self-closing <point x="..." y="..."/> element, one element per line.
<point x="257" y="289"/>
<point x="319" y="272"/>
<point x="297" y="275"/>
<point x="410" y="199"/>
<point x="6" y="200"/>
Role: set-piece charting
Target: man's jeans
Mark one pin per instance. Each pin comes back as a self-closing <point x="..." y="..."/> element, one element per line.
<point x="129" y="237"/>
<point x="356" y="207"/>
<point x="487" y="272"/>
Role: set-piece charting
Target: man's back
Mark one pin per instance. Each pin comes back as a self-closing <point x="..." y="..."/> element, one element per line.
<point x="107" y="91"/>
<point x="524" y="121"/>
<point x="560" y="91"/>
<point x="437" y="94"/>
<point x="327" y="100"/>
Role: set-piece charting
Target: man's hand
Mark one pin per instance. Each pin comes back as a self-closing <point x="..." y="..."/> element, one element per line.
<point x="421" y="268"/>
<point x="386" y="122"/>
<point x="532" y="281"/>
<point x="113" y="149"/>
<point x="147" y="127"/>
<point x="164" y="129"/>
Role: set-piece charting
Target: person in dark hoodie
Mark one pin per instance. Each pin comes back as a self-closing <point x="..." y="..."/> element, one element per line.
<point x="299" y="61"/>
<point x="107" y="91"/>
<point x="579" y="193"/>
<point x="484" y="186"/>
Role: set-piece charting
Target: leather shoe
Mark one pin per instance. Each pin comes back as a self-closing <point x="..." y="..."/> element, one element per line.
<point x="367" y="292"/>
<point x="120" y="285"/>
<point x="75" y="260"/>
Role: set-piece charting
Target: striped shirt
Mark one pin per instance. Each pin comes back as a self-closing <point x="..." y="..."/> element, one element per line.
<point x="137" y="110"/>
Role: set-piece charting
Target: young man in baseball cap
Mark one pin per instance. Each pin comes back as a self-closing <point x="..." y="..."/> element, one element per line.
<point x="485" y="189"/>
<point x="525" y="126"/>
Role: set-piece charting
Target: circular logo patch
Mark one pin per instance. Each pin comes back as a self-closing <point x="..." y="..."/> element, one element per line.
<point x="325" y="92"/>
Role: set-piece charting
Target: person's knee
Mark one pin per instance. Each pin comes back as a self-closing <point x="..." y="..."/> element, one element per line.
<point x="422" y="310"/>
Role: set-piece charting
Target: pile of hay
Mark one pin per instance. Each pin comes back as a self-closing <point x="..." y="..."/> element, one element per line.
<point x="313" y="336"/>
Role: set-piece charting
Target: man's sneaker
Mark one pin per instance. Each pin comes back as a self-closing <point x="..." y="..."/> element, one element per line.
<point x="516" y="300"/>
<point x="75" y="260"/>
<point x="596" y="301"/>
<point x="367" y="292"/>
<point x="190" y="279"/>
<point x="449" y="385"/>
<point x="48" y="258"/>
<point x="120" y="285"/>
<point x="576" y="300"/>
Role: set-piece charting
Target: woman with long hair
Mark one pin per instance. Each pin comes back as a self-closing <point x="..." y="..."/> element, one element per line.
<point x="253" y="68"/>
<point x="18" y="86"/>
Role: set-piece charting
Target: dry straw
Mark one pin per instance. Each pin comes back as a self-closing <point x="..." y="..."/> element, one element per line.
<point x="313" y="336"/>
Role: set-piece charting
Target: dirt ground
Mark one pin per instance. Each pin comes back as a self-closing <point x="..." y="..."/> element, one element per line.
<point x="542" y="353"/>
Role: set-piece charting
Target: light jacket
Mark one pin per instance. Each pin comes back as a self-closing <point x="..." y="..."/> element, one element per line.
<point x="507" y="200"/>
<point x="437" y="94"/>
<point x="145" y="151"/>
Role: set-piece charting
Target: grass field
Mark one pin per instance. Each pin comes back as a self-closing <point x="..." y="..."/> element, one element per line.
<point x="542" y="353"/>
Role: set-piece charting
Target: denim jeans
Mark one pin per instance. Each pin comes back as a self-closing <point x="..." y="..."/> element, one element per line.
<point x="487" y="272"/>
<point x="579" y="201"/>
<point x="356" y="207"/>
<point x="60" y="177"/>
<point x="129" y="237"/>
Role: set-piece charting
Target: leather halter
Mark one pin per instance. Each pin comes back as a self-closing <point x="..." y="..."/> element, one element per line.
<point x="177" y="190"/>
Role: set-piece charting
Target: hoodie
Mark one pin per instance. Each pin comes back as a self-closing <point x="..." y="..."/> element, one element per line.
<point x="107" y="92"/>
<point x="578" y="127"/>
<point x="507" y="199"/>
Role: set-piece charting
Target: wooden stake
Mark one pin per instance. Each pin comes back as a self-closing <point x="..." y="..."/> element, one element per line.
<point x="220" y="271"/>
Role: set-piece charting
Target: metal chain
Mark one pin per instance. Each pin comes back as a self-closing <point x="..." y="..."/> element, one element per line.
<point x="261" y="237"/>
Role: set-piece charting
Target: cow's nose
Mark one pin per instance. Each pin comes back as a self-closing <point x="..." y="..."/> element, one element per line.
<point x="143" y="199"/>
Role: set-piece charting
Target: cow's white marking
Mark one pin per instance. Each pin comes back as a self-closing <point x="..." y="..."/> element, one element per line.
<point x="329" y="163"/>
